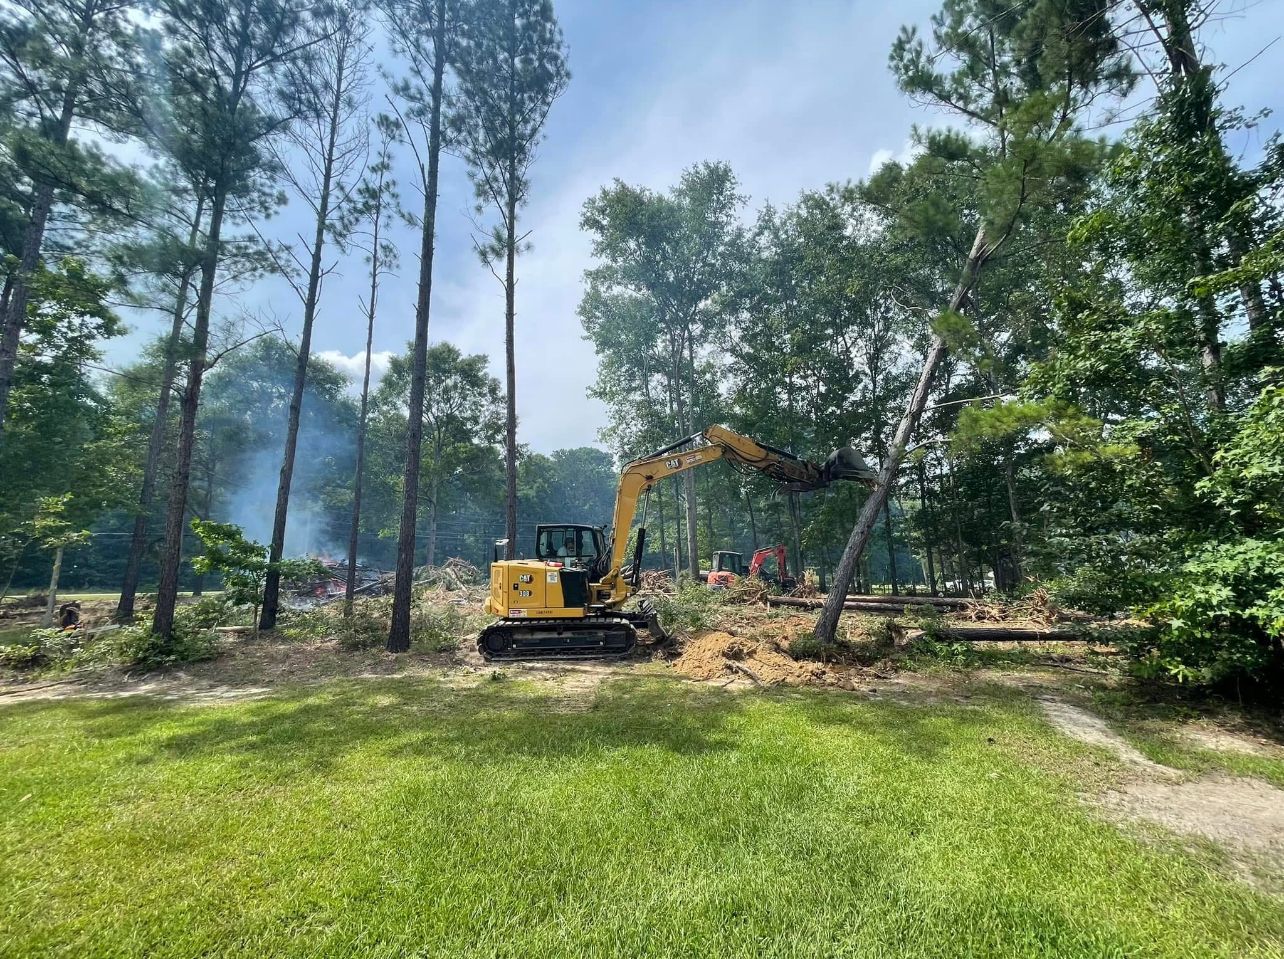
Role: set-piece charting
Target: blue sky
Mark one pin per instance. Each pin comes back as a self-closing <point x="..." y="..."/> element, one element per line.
<point x="792" y="95"/>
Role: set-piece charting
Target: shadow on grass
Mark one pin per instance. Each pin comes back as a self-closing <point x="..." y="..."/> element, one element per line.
<point x="310" y="731"/>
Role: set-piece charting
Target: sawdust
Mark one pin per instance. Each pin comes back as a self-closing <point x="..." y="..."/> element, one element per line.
<point x="715" y="654"/>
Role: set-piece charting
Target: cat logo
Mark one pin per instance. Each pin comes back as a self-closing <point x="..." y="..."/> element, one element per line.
<point x="526" y="578"/>
<point x="672" y="464"/>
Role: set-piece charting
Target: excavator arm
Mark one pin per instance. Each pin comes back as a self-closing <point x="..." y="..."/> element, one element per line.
<point x="789" y="472"/>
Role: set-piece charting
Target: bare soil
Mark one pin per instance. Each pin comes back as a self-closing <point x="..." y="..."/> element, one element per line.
<point x="1243" y="816"/>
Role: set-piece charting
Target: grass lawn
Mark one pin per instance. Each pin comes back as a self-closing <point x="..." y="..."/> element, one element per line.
<point x="649" y="818"/>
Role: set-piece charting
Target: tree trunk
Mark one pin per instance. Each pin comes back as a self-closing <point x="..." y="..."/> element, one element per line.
<point x="664" y="544"/>
<point x="272" y="583"/>
<point x="156" y="440"/>
<point x="891" y="547"/>
<point x="510" y="366"/>
<point x="1018" y="540"/>
<point x="693" y="539"/>
<point x="435" y="486"/>
<point x="167" y="589"/>
<point x="399" y="631"/>
<point x="52" y="602"/>
<point x="354" y="529"/>
<point x="927" y="541"/>
<point x="795" y="531"/>
<point x="677" y="523"/>
<point x="827" y="622"/>
<point x="753" y="523"/>
<point x="33" y="238"/>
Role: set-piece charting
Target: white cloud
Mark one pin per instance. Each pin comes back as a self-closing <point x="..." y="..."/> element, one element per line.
<point x="908" y="151"/>
<point x="354" y="366"/>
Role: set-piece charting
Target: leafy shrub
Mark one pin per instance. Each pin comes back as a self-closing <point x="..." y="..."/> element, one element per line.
<point x="436" y="628"/>
<point x="143" y="648"/>
<point x="243" y="564"/>
<point x="207" y="612"/>
<point x="1222" y="616"/>
<point x="39" y="648"/>
<point x="957" y="655"/>
<point x="692" y="605"/>
<point x="807" y="646"/>
<point x="1223" y="620"/>
<point x="315" y="623"/>
<point x="367" y="627"/>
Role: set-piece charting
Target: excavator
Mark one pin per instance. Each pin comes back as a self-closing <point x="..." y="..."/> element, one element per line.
<point x="727" y="565"/>
<point x="567" y="602"/>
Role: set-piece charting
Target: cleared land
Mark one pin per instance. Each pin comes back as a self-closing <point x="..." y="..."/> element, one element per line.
<point x="595" y="811"/>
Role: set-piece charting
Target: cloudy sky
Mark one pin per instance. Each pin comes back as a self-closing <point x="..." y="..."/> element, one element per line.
<point x="792" y="95"/>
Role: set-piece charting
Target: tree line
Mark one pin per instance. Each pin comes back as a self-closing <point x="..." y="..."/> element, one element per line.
<point x="1063" y="347"/>
<point x="236" y="108"/>
<point x="1057" y="332"/>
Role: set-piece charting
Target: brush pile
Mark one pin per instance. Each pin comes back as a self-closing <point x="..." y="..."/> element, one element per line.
<point x="455" y="574"/>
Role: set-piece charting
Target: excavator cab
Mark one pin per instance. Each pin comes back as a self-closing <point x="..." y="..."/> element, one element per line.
<point x="727" y="565"/>
<point x="572" y="545"/>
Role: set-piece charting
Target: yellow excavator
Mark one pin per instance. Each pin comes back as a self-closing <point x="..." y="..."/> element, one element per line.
<point x="568" y="601"/>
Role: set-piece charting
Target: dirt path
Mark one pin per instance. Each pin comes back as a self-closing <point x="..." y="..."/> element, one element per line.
<point x="1242" y="816"/>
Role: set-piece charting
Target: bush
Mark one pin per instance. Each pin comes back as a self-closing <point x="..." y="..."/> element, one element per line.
<point x="1223" y="620"/>
<point x="807" y="646"/>
<point x="188" y="644"/>
<point x="692" y="605"/>
<point x="367" y="627"/>
<point x="207" y="612"/>
<point x="39" y="648"/>
<point x="436" y="629"/>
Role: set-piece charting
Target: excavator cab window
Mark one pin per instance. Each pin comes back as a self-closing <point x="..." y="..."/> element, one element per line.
<point x="726" y="562"/>
<point x="578" y="546"/>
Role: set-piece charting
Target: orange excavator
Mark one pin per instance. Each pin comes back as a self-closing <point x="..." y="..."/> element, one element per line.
<point x="727" y="565"/>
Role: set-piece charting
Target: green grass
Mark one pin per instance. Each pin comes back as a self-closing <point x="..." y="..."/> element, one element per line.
<point x="406" y="818"/>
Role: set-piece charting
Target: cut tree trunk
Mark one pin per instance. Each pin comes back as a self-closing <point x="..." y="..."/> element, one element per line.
<point x="827" y="623"/>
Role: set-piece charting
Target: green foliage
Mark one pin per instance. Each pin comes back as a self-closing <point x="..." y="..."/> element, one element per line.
<point x="39" y="648"/>
<point x="691" y="605"/>
<point x="187" y="644"/>
<point x="436" y="628"/>
<point x="1223" y="618"/>
<point x="243" y="564"/>
<point x="1248" y="482"/>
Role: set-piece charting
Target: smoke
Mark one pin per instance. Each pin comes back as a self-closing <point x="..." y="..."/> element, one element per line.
<point x="246" y="421"/>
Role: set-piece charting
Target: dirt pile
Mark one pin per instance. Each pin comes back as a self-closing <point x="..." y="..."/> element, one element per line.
<point x="714" y="654"/>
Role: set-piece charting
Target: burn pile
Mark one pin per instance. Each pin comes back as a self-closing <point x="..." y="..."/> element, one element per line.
<point x="333" y="584"/>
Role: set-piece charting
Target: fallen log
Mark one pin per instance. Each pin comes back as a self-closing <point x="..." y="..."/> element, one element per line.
<point x="950" y="601"/>
<point x="1009" y="634"/>
<point x="887" y="609"/>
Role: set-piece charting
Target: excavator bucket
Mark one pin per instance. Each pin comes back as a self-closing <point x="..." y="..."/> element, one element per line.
<point x="847" y="464"/>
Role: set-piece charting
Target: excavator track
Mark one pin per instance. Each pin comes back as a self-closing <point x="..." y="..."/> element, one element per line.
<point x="595" y="637"/>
